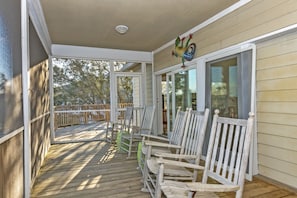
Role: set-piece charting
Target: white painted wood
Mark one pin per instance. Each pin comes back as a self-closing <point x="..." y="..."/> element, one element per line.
<point x="143" y="84"/>
<point x="11" y="135"/>
<point x="113" y="94"/>
<point x="221" y="138"/>
<point x="51" y="91"/>
<point x="26" y="97"/>
<point x="129" y="141"/>
<point x="191" y="148"/>
<point x="100" y="53"/>
<point x="151" y="147"/>
<point x="200" y="84"/>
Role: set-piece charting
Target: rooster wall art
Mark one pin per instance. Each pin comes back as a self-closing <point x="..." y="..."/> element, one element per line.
<point x="186" y="52"/>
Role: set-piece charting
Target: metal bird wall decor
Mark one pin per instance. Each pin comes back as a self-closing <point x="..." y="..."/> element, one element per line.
<point x="186" y="52"/>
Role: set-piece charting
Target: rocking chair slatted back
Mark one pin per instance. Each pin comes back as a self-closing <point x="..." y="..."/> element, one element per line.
<point x="228" y="150"/>
<point x="195" y="133"/>
<point x="147" y="120"/>
<point x="226" y="160"/>
<point x="178" y="127"/>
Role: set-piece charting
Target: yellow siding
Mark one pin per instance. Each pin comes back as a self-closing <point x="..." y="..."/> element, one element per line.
<point x="276" y="77"/>
<point x="277" y="108"/>
<point x="252" y="20"/>
<point x="149" y="83"/>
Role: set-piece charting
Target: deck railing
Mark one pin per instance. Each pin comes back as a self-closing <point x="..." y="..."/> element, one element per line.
<point x="68" y="115"/>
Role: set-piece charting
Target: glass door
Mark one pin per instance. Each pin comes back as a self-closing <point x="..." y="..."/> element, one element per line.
<point x="181" y="92"/>
<point x="128" y="92"/>
<point x="185" y="89"/>
<point x="228" y="86"/>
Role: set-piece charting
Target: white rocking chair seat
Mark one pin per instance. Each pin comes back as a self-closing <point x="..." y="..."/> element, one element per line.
<point x="171" y="171"/>
<point x="182" y="189"/>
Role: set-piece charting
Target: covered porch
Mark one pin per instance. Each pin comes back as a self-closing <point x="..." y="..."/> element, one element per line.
<point x="248" y="43"/>
<point x="97" y="169"/>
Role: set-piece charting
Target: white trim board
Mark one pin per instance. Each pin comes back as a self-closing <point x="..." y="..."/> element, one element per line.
<point x="229" y="50"/>
<point x="26" y="98"/>
<point x="100" y="53"/>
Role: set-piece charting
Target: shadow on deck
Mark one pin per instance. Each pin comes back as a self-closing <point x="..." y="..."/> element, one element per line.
<point x="89" y="169"/>
<point x="96" y="169"/>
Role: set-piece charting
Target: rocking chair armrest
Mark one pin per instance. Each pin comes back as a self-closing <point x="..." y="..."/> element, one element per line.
<point x="196" y="186"/>
<point x="160" y="144"/>
<point x="175" y="156"/>
<point x="154" y="137"/>
<point x="180" y="164"/>
<point x="199" y="187"/>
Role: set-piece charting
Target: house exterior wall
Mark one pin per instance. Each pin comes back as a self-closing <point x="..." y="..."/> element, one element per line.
<point x="276" y="77"/>
<point x="277" y="108"/>
<point x="40" y="117"/>
<point x="149" y="83"/>
<point x="12" y="149"/>
<point x="11" y="167"/>
<point x="39" y="102"/>
<point x="252" y="20"/>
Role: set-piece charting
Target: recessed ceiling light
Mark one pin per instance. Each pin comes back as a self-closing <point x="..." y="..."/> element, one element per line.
<point x="121" y="29"/>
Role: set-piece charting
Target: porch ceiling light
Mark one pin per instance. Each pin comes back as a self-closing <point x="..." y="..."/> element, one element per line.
<point x="121" y="29"/>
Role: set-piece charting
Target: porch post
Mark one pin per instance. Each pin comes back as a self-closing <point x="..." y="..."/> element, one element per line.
<point x="26" y="98"/>
<point x="112" y="90"/>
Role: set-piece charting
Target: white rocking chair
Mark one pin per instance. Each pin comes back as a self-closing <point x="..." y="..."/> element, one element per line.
<point x="152" y="144"/>
<point x="129" y="141"/>
<point x="226" y="161"/>
<point x="192" y="144"/>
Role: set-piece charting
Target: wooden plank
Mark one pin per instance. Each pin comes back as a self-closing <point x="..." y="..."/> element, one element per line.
<point x="278" y="153"/>
<point x="103" y="172"/>
<point x="285" y="167"/>
<point x="278" y="176"/>
<point x="280" y="46"/>
<point x="277" y="96"/>
<point x="277" y="107"/>
<point x="277" y="72"/>
<point x="255" y="31"/>
<point x="253" y="15"/>
<point x="278" y="141"/>
<point x="277" y="129"/>
<point x="282" y="119"/>
<point x="276" y="61"/>
<point x="277" y="84"/>
<point x="12" y="167"/>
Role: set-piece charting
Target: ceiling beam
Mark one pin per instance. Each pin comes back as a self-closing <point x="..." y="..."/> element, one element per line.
<point x="100" y="53"/>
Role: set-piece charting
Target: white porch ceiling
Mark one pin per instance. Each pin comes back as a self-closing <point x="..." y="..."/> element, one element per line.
<point x="152" y="23"/>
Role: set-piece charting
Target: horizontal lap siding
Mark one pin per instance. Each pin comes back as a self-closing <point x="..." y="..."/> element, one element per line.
<point x="252" y="20"/>
<point x="276" y="77"/>
<point x="277" y="108"/>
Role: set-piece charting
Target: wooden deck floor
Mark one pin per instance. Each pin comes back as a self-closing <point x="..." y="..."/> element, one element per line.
<point x="95" y="169"/>
<point x="83" y="132"/>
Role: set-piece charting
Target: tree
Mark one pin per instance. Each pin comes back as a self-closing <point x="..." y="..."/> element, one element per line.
<point x="78" y="81"/>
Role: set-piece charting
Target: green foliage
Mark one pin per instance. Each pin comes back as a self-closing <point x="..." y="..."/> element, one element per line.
<point x="78" y="81"/>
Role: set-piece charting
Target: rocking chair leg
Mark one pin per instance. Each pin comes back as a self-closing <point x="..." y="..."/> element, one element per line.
<point x="158" y="192"/>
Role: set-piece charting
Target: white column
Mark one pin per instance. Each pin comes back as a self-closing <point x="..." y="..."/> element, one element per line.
<point x="26" y="97"/>
<point x="113" y="94"/>
<point x="51" y="91"/>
